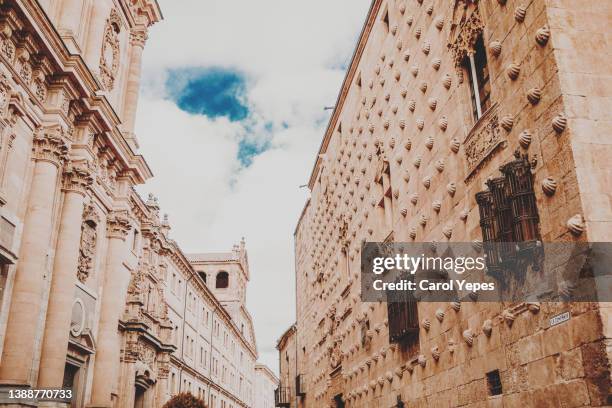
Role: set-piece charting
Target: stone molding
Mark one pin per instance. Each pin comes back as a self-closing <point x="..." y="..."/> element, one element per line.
<point x="49" y="145"/>
<point x="117" y="225"/>
<point x="77" y="178"/>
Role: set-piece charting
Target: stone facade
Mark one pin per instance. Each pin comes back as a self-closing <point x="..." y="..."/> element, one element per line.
<point x="94" y="295"/>
<point x="439" y="95"/>
<point x="265" y="384"/>
<point x="217" y="353"/>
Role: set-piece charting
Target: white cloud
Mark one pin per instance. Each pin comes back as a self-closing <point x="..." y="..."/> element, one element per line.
<point x="290" y="50"/>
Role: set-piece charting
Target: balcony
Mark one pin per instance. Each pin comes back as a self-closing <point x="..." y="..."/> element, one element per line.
<point x="282" y="397"/>
<point x="300" y="385"/>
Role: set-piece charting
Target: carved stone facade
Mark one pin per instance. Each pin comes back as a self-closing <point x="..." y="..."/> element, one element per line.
<point x="402" y="160"/>
<point x="86" y="263"/>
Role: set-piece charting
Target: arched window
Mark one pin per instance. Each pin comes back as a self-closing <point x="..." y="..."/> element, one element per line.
<point x="222" y="281"/>
<point x="203" y="276"/>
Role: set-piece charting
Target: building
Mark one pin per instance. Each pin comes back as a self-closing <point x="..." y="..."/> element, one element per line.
<point x="94" y="295"/>
<point x="440" y="94"/>
<point x="286" y="394"/>
<point x="265" y="385"/>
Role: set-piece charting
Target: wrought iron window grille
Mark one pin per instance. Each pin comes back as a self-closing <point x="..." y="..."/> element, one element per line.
<point x="509" y="217"/>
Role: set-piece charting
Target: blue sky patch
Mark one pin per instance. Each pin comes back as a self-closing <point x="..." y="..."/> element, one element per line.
<point x="248" y="149"/>
<point x="214" y="92"/>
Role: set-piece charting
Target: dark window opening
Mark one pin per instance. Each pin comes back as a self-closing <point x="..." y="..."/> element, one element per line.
<point x="480" y="84"/>
<point x="494" y="383"/>
<point x="203" y="276"/>
<point x="403" y="315"/>
<point x="222" y="280"/>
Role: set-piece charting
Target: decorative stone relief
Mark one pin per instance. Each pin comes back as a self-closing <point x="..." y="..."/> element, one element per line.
<point x="542" y="36"/>
<point x="513" y="71"/>
<point x="484" y="139"/>
<point x="496" y="48"/>
<point x="49" y="145"/>
<point x="525" y="139"/>
<point x="520" y="13"/>
<point x="575" y="225"/>
<point x="118" y="225"/>
<point x="89" y="238"/>
<point x="549" y="186"/>
<point x="534" y="95"/>
<point x="464" y="34"/>
<point x="559" y="123"/>
<point x="109" y="57"/>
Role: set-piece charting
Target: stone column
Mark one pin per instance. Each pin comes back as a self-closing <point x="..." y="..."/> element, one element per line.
<point x="138" y="37"/>
<point x="57" y="326"/>
<point x="114" y="292"/>
<point x="18" y="359"/>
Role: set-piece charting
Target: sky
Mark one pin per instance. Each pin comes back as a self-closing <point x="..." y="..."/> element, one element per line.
<point x="230" y="119"/>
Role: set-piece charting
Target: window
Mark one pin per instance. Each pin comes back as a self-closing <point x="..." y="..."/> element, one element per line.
<point x="508" y="213"/>
<point x="222" y="280"/>
<point x="202" y="275"/>
<point x="135" y="241"/>
<point x="402" y="310"/>
<point x="480" y="84"/>
<point x="494" y="383"/>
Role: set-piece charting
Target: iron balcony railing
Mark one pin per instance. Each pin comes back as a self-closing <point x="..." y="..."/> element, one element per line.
<point x="282" y="397"/>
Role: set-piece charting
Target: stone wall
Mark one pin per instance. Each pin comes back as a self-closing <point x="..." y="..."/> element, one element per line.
<point x="402" y="160"/>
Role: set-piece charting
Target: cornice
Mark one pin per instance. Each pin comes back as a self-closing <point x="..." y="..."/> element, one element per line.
<point x="346" y="84"/>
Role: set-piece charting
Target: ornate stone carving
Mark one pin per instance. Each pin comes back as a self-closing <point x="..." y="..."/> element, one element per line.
<point x="575" y="225"/>
<point x="559" y="123"/>
<point x="542" y="36"/>
<point x="549" y="186"/>
<point x="525" y="138"/>
<point x="117" y="225"/>
<point x="89" y="238"/>
<point x="496" y="48"/>
<point x="534" y="95"/>
<point x="487" y="327"/>
<point x="109" y="57"/>
<point x="464" y="35"/>
<point x="520" y="13"/>
<point x="468" y="337"/>
<point x="507" y="123"/>
<point x="138" y="37"/>
<point x="483" y="140"/>
<point x="5" y="90"/>
<point x="49" y="145"/>
<point x="77" y="178"/>
<point x="513" y="71"/>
